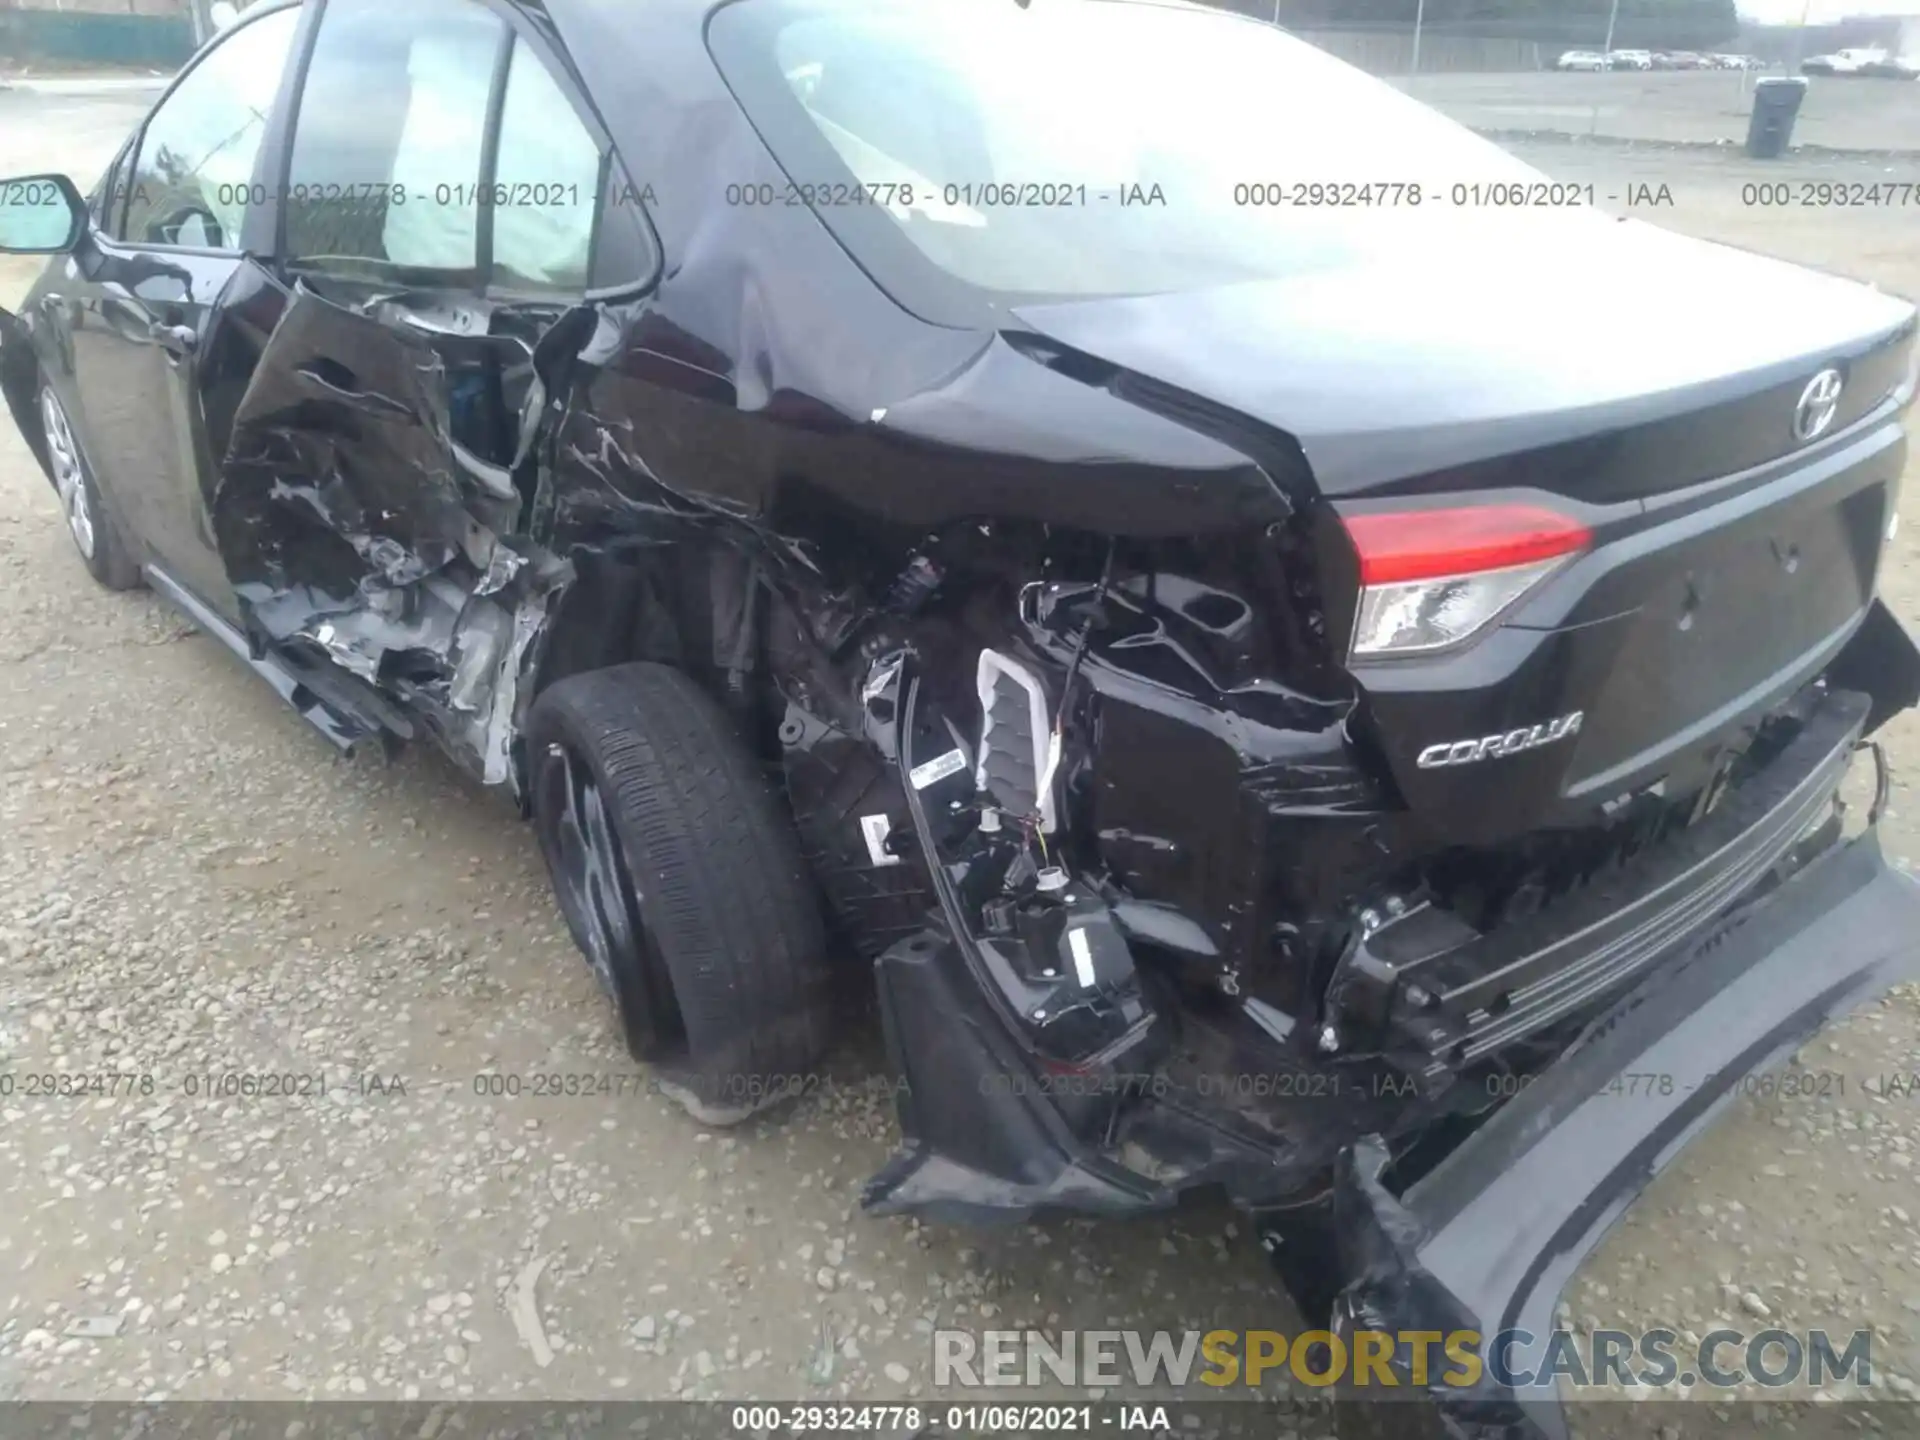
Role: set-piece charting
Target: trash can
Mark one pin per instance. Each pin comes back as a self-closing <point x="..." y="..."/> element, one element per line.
<point x="1776" y="101"/>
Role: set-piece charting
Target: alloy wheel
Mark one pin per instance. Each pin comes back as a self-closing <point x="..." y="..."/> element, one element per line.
<point x="69" y="477"/>
<point x="591" y="878"/>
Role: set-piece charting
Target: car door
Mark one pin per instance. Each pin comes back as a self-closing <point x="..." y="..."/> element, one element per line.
<point x="177" y="210"/>
<point x="443" y="209"/>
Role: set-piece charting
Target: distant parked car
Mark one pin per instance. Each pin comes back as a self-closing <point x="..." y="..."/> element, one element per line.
<point x="1737" y="62"/>
<point x="1679" y="60"/>
<point x="1630" y="60"/>
<point x="1894" y="67"/>
<point x="1581" y="60"/>
<point x="1861" y="61"/>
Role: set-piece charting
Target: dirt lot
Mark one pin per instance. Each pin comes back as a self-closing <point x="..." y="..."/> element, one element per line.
<point x="195" y="886"/>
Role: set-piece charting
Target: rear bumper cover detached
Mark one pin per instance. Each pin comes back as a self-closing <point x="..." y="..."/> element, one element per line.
<point x="1487" y="1240"/>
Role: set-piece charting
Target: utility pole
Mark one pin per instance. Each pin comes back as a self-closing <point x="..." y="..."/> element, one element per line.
<point x="1419" y="19"/>
<point x="1613" y="18"/>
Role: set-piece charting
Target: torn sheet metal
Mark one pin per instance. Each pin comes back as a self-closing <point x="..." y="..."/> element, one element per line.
<point x="371" y="507"/>
<point x="507" y="698"/>
<point x="341" y="472"/>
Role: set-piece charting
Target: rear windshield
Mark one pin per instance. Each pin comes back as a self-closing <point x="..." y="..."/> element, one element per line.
<point x="1090" y="147"/>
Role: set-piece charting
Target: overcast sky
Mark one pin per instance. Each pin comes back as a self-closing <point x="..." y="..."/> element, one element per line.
<point x="1788" y="11"/>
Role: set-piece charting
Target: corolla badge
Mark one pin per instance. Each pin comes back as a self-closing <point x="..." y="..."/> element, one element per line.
<point x="1511" y="742"/>
<point x="1818" y="404"/>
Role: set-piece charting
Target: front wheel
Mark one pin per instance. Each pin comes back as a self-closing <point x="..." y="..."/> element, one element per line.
<point x="681" y="879"/>
<point x="89" y="523"/>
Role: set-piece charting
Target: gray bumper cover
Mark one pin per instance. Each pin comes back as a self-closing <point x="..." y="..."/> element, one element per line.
<point x="1488" y="1240"/>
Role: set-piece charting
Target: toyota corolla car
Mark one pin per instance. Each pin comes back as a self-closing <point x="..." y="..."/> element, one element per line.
<point x="1057" y="509"/>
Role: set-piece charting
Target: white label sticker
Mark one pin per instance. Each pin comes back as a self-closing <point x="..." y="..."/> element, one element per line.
<point x="1082" y="957"/>
<point x="876" y="829"/>
<point x="951" y="763"/>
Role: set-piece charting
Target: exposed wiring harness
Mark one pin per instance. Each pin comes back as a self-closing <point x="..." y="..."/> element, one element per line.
<point x="1056" y="741"/>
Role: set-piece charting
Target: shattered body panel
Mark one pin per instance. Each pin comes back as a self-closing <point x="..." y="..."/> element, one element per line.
<point x="355" y="522"/>
<point x="1045" y="618"/>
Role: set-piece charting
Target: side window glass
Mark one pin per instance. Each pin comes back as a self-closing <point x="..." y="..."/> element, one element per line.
<point x="546" y="185"/>
<point x="385" y="169"/>
<point x="108" y="196"/>
<point x="623" y="253"/>
<point x="194" y="176"/>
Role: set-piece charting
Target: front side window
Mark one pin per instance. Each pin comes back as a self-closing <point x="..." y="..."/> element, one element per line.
<point x="110" y="195"/>
<point x="385" y="174"/>
<point x="1079" y="149"/>
<point x="194" y="176"/>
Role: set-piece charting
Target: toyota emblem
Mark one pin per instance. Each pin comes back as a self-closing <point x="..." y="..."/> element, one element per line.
<point x="1819" y="402"/>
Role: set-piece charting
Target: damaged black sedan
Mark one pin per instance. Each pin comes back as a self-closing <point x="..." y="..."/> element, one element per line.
<point x="1074" y="508"/>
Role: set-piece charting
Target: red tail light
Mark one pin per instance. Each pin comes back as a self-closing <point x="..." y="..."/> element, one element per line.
<point x="1401" y="545"/>
<point x="1432" y="580"/>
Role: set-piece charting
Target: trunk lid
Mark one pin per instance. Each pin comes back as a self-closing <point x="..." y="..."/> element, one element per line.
<point x="1601" y="359"/>
<point x="1731" y="557"/>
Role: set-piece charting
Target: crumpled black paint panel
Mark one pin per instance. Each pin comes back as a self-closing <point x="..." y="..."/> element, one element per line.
<point x="372" y="505"/>
<point x="340" y="473"/>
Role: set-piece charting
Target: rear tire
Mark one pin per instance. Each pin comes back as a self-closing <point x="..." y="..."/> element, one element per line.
<point x="90" y="524"/>
<point x="681" y="879"/>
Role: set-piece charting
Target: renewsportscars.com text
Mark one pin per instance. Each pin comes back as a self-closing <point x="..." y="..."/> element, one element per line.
<point x="1380" y="1359"/>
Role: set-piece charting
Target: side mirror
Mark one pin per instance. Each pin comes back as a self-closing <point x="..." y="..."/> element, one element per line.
<point x="41" y="215"/>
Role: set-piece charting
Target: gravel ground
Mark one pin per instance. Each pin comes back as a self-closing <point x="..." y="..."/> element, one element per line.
<point x="196" y="886"/>
<point x="1706" y="107"/>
